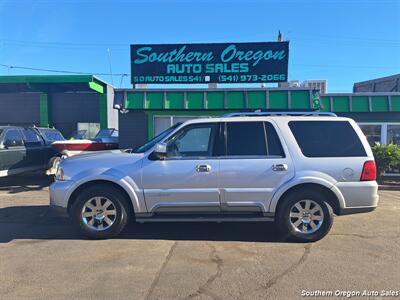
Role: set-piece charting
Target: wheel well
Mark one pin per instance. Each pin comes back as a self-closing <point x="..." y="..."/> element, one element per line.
<point x="330" y="196"/>
<point x="76" y="192"/>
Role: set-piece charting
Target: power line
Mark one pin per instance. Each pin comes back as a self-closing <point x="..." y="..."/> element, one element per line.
<point x="340" y="66"/>
<point x="315" y="37"/>
<point x="10" y="67"/>
<point x="61" y="71"/>
<point x="57" y="43"/>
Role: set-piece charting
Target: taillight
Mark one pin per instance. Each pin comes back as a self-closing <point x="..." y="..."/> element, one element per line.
<point x="369" y="171"/>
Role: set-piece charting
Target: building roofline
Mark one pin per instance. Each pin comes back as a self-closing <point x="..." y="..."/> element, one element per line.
<point x="362" y="94"/>
<point x="378" y="79"/>
<point x="49" y="79"/>
<point x="260" y="89"/>
<point x="94" y="83"/>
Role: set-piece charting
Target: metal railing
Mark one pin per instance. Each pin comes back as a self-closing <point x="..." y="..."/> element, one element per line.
<point x="280" y="113"/>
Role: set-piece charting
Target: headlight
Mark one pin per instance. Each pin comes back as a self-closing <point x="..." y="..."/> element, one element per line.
<point x="60" y="174"/>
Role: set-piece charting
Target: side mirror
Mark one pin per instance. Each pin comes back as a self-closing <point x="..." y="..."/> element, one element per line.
<point x="9" y="143"/>
<point x="160" y="151"/>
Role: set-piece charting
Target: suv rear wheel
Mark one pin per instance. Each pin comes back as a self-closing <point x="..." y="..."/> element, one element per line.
<point x="305" y="216"/>
<point x="100" y="212"/>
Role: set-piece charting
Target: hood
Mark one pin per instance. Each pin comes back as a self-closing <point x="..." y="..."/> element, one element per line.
<point x="98" y="162"/>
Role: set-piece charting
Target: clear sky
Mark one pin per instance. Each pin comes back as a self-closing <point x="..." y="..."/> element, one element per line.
<point x="343" y="41"/>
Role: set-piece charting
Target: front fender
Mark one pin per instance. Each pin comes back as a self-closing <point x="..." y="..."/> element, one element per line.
<point x="303" y="178"/>
<point x="116" y="177"/>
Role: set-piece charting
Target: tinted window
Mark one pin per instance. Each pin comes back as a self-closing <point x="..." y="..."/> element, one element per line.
<point x="193" y="140"/>
<point x="114" y="133"/>
<point x="327" y="138"/>
<point x="245" y="138"/>
<point x="274" y="145"/>
<point x="13" y="138"/>
<point x="52" y="135"/>
<point x="31" y="137"/>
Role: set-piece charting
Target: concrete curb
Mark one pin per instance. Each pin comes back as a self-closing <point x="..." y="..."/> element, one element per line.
<point x="389" y="188"/>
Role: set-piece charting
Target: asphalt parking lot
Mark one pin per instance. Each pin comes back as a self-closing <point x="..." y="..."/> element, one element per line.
<point x="44" y="257"/>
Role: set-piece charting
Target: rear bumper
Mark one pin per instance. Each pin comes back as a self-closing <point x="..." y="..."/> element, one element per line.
<point x="355" y="210"/>
<point x="358" y="197"/>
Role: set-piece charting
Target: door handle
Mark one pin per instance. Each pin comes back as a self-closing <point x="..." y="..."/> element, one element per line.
<point x="203" y="168"/>
<point x="280" y="167"/>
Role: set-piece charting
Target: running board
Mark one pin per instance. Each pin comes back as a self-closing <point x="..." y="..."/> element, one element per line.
<point x="200" y="218"/>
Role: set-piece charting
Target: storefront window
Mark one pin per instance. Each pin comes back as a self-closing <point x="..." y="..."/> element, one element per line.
<point x="91" y="129"/>
<point x="393" y="134"/>
<point x="372" y="132"/>
<point x="160" y="124"/>
<point x="163" y="122"/>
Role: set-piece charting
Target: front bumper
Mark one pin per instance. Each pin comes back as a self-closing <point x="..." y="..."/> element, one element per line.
<point x="59" y="194"/>
<point x="59" y="211"/>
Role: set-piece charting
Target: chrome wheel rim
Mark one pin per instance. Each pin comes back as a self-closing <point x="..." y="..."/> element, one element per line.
<point x="306" y="216"/>
<point x="99" y="213"/>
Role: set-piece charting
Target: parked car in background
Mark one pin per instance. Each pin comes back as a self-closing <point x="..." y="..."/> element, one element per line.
<point x="26" y="149"/>
<point x="49" y="135"/>
<point x="298" y="169"/>
<point x="107" y="136"/>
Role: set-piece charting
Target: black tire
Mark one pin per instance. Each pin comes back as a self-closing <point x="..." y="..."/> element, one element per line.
<point x="119" y="203"/>
<point x="284" y="221"/>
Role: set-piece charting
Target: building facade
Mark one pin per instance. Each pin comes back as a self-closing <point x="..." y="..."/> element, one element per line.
<point x="321" y="85"/>
<point x="85" y="102"/>
<point x="150" y="111"/>
<point x="383" y="84"/>
<point x="67" y="103"/>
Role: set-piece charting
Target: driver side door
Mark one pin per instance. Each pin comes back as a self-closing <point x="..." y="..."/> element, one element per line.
<point x="187" y="179"/>
<point x="12" y="151"/>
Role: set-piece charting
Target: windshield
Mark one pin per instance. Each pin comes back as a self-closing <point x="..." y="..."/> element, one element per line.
<point x="156" y="139"/>
<point x="78" y="135"/>
<point x="51" y="135"/>
<point x="109" y="132"/>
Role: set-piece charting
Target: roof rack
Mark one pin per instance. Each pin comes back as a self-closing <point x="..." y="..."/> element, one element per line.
<point x="280" y="113"/>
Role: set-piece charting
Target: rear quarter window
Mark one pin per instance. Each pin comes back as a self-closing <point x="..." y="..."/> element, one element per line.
<point x="327" y="139"/>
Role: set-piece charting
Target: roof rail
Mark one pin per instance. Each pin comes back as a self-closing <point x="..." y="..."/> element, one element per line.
<point x="280" y="113"/>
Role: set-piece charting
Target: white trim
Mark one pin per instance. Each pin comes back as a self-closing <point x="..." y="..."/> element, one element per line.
<point x="392" y="174"/>
<point x="9" y="172"/>
<point x="384" y="133"/>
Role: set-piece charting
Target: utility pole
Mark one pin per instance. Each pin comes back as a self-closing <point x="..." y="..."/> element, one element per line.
<point x="109" y="62"/>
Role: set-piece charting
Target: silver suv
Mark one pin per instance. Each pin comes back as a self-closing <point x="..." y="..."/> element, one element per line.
<point x="297" y="169"/>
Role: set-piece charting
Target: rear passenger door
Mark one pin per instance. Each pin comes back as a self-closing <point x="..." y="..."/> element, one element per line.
<point x="35" y="154"/>
<point x="254" y="166"/>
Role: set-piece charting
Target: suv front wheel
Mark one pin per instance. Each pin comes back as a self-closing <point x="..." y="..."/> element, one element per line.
<point x="100" y="212"/>
<point x="305" y="216"/>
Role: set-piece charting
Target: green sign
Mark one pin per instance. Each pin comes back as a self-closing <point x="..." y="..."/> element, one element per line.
<point x="210" y="63"/>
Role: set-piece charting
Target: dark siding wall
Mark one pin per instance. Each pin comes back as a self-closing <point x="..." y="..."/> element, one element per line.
<point x="132" y="129"/>
<point x="387" y="84"/>
<point x="372" y="117"/>
<point x="67" y="109"/>
<point x="21" y="109"/>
